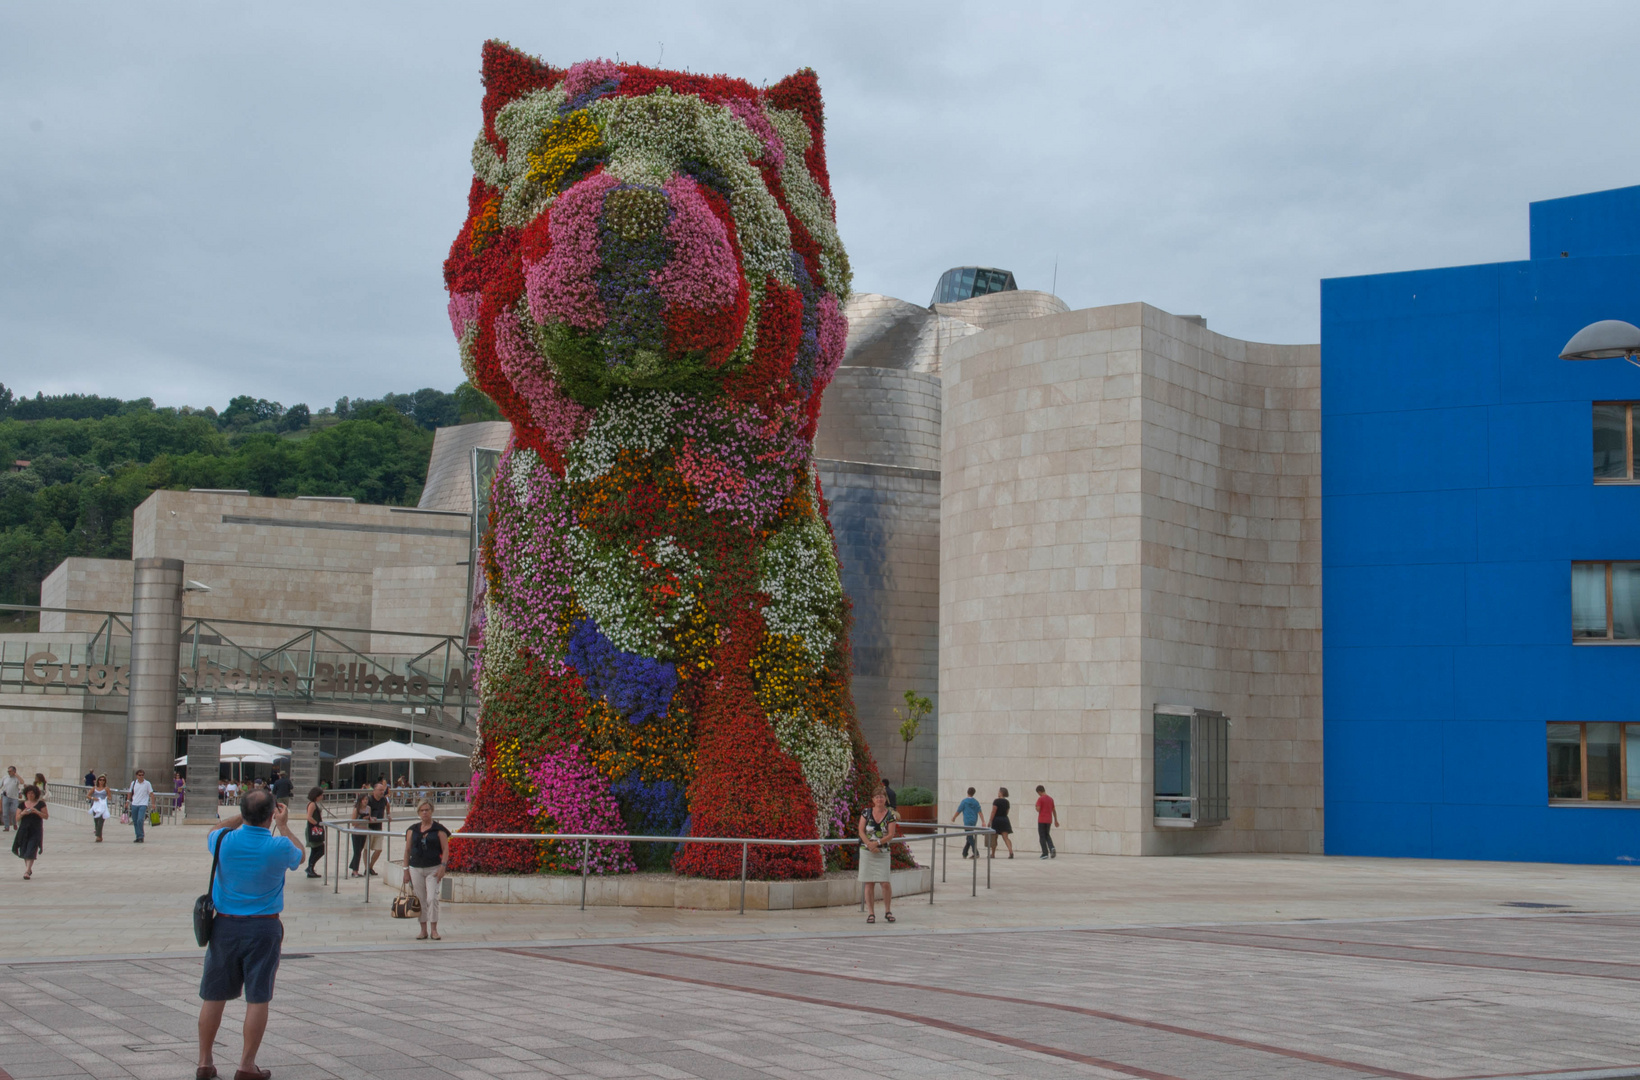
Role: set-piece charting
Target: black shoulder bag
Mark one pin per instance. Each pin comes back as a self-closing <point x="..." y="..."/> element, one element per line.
<point x="205" y="907"/>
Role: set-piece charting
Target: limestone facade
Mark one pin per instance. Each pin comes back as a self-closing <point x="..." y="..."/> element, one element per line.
<point x="295" y="561"/>
<point x="1130" y="517"/>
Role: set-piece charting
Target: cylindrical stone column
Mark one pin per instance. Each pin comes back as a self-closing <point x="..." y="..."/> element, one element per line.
<point x="156" y="652"/>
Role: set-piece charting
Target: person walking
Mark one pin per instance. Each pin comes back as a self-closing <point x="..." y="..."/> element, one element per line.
<point x="11" y="793"/>
<point x="98" y="797"/>
<point x="91" y="778"/>
<point x="426" y="851"/>
<point x="315" y="829"/>
<point x="378" y="812"/>
<point x="970" y="812"/>
<point x="31" y="829"/>
<point x="281" y="787"/>
<point x="1045" y="815"/>
<point x="879" y="825"/>
<point x="252" y="859"/>
<point x="361" y="819"/>
<point x="1000" y="823"/>
<point x="40" y="783"/>
<point x="142" y="793"/>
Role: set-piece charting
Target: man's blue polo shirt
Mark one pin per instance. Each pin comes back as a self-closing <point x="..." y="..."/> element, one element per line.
<point x="969" y="808"/>
<point x="251" y="877"/>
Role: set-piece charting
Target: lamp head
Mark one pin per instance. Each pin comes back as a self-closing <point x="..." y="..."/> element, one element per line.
<point x="1603" y="340"/>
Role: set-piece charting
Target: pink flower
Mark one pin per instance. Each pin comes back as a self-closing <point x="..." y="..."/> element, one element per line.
<point x="832" y="340"/>
<point x="774" y="151"/>
<point x="588" y="74"/>
<point x="563" y="286"/>
<point x="576" y="799"/>
<point x="702" y="273"/>
<point x="463" y="311"/>
<point x="559" y="418"/>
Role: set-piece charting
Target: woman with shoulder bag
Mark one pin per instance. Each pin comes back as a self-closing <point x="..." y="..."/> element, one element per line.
<point x="425" y="852"/>
<point x="315" y="829"/>
<point x="361" y="814"/>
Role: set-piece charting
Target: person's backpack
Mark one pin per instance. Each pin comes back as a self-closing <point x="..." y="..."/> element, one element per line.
<point x="205" y="907"/>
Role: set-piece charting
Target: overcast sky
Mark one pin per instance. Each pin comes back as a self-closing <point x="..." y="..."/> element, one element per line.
<point x="201" y="200"/>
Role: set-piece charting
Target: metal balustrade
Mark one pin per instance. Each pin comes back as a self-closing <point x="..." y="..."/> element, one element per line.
<point x="936" y="833"/>
<point x="119" y="801"/>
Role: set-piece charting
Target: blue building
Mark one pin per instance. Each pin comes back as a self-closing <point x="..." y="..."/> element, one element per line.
<point x="1481" y="567"/>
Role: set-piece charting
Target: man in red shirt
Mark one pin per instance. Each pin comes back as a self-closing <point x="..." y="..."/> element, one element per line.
<point x="1045" y="815"/>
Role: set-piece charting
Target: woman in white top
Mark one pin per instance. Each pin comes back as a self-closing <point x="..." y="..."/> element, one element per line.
<point x="99" y="797"/>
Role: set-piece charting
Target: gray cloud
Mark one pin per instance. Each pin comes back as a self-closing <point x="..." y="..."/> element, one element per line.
<point x="201" y="200"/>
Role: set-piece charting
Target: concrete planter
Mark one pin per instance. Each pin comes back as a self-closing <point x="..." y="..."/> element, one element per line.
<point x="910" y="814"/>
<point x="667" y="891"/>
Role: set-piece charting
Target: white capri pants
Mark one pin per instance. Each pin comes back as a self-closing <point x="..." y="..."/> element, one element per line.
<point x="426" y="887"/>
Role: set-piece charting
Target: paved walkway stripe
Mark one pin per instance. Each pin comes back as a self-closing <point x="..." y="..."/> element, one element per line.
<point x="1213" y="937"/>
<point x="1153" y="1025"/>
<point x="872" y="1010"/>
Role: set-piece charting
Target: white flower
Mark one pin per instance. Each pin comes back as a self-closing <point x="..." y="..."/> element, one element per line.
<point x="798" y="570"/>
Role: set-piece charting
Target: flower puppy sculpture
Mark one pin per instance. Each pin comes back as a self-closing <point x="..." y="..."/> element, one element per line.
<point x="649" y="284"/>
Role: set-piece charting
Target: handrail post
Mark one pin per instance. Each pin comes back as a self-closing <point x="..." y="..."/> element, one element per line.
<point x="932" y="854"/>
<point x="336" y="882"/>
<point x="585" y="846"/>
<point x="369" y="850"/>
<point x="990" y="856"/>
<point x="975" y="891"/>
<point x="945" y="850"/>
<point x="744" y="849"/>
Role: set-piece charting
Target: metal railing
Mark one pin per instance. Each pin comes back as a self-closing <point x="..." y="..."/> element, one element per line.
<point x="119" y="801"/>
<point x="936" y="833"/>
<point x="407" y="796"/>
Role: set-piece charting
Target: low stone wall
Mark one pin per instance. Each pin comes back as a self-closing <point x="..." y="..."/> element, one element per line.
<point x="668" y="891"/>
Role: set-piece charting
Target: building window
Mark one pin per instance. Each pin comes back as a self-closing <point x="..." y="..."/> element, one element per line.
<point x="1614" y="442"/>
<point x="1605" y="602"/>
<point x="1594" y="761"/>
<point x="1190" y="767"/>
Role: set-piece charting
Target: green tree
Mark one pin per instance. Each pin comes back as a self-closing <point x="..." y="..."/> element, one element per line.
<point x="916" y="707"/>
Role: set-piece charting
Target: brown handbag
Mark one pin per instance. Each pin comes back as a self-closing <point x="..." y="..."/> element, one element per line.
<point x="405" y="904"/>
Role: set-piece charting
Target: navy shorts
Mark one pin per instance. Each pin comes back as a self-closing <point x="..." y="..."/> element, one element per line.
<point x="243" y="955"/>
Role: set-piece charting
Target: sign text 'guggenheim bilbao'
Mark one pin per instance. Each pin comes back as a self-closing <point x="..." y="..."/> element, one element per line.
<point x="43" y="669"/>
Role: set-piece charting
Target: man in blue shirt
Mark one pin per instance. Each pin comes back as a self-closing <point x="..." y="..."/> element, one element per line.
<point x="969" y="809"/>
<point x="249" y="894"/>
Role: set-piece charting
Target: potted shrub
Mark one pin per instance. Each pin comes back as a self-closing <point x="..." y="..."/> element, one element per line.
<point x="916" y="804"/>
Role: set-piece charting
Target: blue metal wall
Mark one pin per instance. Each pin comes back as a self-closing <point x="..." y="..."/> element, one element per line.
<point x="1456" y="476"/>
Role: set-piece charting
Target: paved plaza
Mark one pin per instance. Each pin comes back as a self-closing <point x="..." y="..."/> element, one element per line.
<point x="1197" y="969"/>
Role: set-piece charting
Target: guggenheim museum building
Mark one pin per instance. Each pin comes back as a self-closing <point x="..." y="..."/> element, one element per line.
<point x="1378" y="595"/>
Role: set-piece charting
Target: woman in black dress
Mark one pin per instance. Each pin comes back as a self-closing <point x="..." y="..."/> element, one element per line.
<point x="315" y="829"/>
<point x="1000" y="822"/>
<point x="31" y="830"/>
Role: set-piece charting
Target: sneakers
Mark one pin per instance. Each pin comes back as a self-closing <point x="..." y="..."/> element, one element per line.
<point x="1053" y="853"/>
<point x="1044" y="855"/>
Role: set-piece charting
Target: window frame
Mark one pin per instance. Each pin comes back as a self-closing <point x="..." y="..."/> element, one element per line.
<point x="1628" y="442"/>
<point x="1610" y="619"/>
<point x="1630" y="799"/>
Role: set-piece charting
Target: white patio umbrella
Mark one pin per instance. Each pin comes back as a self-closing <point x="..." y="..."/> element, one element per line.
<point x="238" y="749"/>
<point x="392" y="751"/>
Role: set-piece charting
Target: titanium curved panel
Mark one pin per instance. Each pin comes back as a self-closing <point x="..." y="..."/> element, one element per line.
<point x="883" y="416"/>
<point x="449" y="483"/>
<point x="886" y="520"/>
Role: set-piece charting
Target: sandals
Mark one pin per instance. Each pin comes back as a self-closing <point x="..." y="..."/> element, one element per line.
<point x="205" y="1072"/>
<point x="888" y="916"/>
<point x="423" y="935"/>
<point x="872" y="917"/>
<point x="436" y="937"/>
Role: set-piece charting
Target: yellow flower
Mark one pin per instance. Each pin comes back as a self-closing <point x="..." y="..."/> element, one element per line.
<point x="568" y="139"/>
